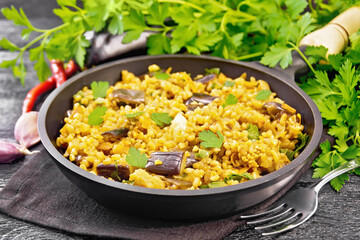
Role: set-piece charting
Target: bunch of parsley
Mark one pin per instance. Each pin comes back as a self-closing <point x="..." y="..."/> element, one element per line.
<point x="335" y="89"/>
<point x="232" y="29"/>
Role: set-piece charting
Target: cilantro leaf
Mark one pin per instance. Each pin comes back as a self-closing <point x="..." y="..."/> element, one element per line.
<point x="202" y="154"/>
<point x="278" y="53"/>
<point x="78" y="48"/>
<point x="339" y="181"/>
<point x="162" y="76"/>
<point x="295" y="7"/>
<point x="18" y="17"/>
<point x="158" y="13"/>
<point x="96" y="116"/>
<point x="6" y="44"/>
<point x="303" y="140"/>
<point x="116" y="24"/>
<point x="316" y="53"/>
<point x="135" y="158"/>
<point x="263" y="94"/>
<point x="158" y="44"/>
<point x="133" y="115"/>
<point x="210" y="139"/>
<point x="131" y="36"/>
<point x="217" y="184"/>
<point x="229" y="83"/>
<point x="336" y="60"/>
<point x="238" y="177"/>
<point x="99" y="89"/>
<point x="212" y="71"/>
<point x="161" y="119"/>
<point x="230" y="100"/>
<point x="253" y="132"/>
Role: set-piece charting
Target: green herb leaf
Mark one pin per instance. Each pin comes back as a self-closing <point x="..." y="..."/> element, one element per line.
<point x="18" y="17"/>
<point x="6" y="44"/>
<point x="263" y="95"/>
<point x="278" y="53"/>
<point x="230" y="100"/>
<point x="202" y="154"/>
<point x="161" y="75"/>
<point x="229" y="83"/>
<point x="41" y="67"/>
<point x="161" y="119"/>
<point x="210" y="139"/>
<point x="116" y="24"/>
<point x="133" y="115"/>
<point x="217" y="184"/>
<point x="99" y="89"/>
<point x="239" y="177"/>
<point x="253" y="132"/>
<point x="96" y="116"/>
<point x="212" y="71"/>
<point x="158" y="44"/>
<point x="290" y="154"/>
<point x="135" y="158"/>
<point x="303" y="140"/>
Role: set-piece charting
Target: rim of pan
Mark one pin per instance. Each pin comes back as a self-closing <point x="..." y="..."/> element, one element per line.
<point x="303" y="156"/>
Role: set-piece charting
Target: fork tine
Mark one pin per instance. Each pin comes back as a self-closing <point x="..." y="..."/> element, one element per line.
<point x="266" y="219"/>
<point x="279" y="222"/>
<point x="292" y="225"/>
<point x="274" y="209"/>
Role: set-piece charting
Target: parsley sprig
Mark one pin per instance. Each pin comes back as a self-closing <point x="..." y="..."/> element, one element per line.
<point x="135" y="158"/>
<point x="210" y="139"/>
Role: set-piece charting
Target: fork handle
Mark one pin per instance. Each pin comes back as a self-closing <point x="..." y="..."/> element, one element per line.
<point x="336" y="172"/>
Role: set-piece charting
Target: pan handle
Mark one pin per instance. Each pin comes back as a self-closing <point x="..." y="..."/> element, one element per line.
<point x="334" y="36"/>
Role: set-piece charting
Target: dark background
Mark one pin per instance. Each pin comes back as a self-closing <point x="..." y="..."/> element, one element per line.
<point x="337" y="216"/>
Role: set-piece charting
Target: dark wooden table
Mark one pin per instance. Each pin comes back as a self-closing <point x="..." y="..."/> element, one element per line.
<point x="338" y="216"/>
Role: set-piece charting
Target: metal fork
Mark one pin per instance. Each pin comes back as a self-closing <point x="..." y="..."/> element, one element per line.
<point x="297" y="206"/>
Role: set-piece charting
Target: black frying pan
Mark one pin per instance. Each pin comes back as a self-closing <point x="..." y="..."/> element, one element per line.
<point x="179" y="204"/>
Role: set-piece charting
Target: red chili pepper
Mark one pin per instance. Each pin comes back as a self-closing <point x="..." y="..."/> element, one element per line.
<point x="35" y="92"/>
<point x="71" y="68"/>
<point x="59" y="77"/>
<point x="57" y="69"/>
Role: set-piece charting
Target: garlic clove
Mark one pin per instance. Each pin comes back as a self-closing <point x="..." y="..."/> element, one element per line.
<point x="10" y="151"/>
<point x="26" y="132"/>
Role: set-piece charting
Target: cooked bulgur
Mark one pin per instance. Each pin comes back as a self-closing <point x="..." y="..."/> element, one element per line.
<point x="175" y="132"/>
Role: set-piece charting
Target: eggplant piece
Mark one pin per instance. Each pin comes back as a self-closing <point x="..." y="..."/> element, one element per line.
<point x="116" y="172"/>
<point x="198" y="100"/>
<point x="181" y="184"/>
<point x="129" y="96"/>
<point x="206" y="78"/>
<point x="114" y="135"/>
<point x="165" y="163"/>
<point x="275" y="110"/>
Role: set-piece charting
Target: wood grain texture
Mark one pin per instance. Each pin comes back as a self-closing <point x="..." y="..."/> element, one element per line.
<point x="337" y="216"/>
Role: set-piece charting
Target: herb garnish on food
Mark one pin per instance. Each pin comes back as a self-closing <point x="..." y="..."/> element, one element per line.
<point x="253" y="132"/>
<point x="161" y="119"/>
<point x="133" y="115"/>
<point x="229" y="83"/>
<point x="263" y="94"/>
<point x="99" y="89"/>
<point x="162" y="76"/>
<point x="210" y="139"/>
<point x="96" y="116"/>
<point x="135" y="158"/>
<point x="230" y="100"/>
<point x="238" y="177"/>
